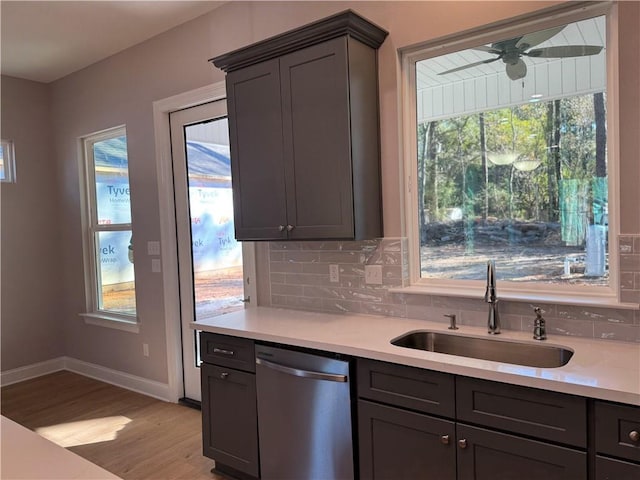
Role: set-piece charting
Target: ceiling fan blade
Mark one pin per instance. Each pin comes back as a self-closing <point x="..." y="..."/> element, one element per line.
<point x="464" y="67"/>
<point x="564" y="51"/>
<point x="532" y="39"/>
<point x="484" y="48"/>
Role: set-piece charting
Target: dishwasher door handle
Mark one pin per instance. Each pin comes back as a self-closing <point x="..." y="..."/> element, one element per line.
<point x="297" y="372"/>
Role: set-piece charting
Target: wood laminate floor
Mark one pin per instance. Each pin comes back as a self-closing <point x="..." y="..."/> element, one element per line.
<point x="129" y="434"/>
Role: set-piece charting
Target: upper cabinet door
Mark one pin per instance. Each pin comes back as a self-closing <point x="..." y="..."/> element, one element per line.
<point x="317" y="141"/>
<point x="257" y="169"/>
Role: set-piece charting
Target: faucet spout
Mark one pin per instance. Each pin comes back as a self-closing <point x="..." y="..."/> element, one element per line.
<point x="491" y="298"/>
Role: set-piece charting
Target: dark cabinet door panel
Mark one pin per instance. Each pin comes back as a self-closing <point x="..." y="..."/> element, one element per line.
<point x="317" y="152"/>
<point x="488" y="455"/>
<point x="229" y="418"/>
<point x="255" y="135"/>
<point x="612" y="469"/>
<point x="397" y="444"/>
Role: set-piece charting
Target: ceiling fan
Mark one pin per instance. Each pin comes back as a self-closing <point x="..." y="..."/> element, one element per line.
<point x="512" y="50"/>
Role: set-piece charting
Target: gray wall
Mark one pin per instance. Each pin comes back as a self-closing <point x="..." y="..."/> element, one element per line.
<point x="121" y="89"/>
<point x="31" y="236"/>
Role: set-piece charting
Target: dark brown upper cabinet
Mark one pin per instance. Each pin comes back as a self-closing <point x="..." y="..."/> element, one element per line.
<point x="304" y="132"/>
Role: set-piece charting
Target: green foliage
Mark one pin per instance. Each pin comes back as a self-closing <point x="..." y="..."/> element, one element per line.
<point x="513" y="192"/>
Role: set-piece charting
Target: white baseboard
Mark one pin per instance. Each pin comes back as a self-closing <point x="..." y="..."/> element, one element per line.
<point x="142" y="385"/>
<point x="31" y="371"/>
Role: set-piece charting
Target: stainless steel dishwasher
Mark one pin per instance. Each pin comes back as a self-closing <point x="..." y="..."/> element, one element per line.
<point x="304" y="416"/>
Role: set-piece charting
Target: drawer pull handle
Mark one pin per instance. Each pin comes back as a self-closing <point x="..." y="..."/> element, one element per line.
<point x="462" y="443"/>
<point x="224" y="375"/>
<point x="281" y="228"/>
<point x="223" y="351"/>
<point x="445" y="439"/>
<point x="634" y="436"/>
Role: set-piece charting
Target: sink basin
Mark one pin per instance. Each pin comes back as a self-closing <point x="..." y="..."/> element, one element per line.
<point x="504" y="351"/>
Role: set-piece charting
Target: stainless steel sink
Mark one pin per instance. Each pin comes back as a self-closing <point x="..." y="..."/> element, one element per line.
<point x="504" y="351"/>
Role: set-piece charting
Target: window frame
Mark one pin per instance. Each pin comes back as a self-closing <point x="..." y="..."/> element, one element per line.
<point x="585" y="295"/>
<point x="9" y="161"/>
<point x="91" y="229"/>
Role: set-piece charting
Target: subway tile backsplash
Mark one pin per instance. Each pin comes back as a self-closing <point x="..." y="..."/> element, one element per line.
<point x="299" y="277"/>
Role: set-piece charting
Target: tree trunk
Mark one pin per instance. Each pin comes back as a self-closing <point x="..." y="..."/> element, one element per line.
<point x="485" y="166"/>
<point x="552" y="186"/>
<point x="557" y="160"/>
<point x="601" y="134"/>
<point x="432" y="162"/>
<point x="421" y="176"/>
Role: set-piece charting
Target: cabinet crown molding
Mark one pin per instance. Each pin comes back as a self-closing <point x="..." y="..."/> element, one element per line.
<point x="341" y="24"/>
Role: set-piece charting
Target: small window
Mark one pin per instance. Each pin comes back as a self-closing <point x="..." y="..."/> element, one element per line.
<point x="7" y="162"/>
<point x="109" y="244"/>
<point x="509" y="157"/>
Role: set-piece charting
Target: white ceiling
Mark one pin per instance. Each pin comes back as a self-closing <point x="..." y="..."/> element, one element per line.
<point x="47" y="40"/>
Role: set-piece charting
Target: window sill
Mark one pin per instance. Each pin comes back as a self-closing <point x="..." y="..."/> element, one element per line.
<point x="111" y="321"/>
<point x="587" y="300"/>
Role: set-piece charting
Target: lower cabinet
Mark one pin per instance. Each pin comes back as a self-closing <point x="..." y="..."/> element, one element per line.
<point x="614" y="469"/>
<point x="229" y="412"/>
<point x="403" y="436"/>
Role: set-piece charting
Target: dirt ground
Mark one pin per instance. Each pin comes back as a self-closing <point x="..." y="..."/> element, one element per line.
<point x="513" y="263"/>
<point x="216" y="292"/>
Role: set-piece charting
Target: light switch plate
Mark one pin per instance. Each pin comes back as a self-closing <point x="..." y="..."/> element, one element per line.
<point x="153" y="248"/>
<point x="156" y="266"/>
<point x="373" y="274"/>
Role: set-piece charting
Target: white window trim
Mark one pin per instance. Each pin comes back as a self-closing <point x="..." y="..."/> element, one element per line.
<point x="583" y="295"/>
<point x="93" y="315"/>
<point x="9" y="161"/>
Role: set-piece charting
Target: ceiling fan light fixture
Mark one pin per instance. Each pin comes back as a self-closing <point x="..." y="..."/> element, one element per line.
<point x="516" y="71"/>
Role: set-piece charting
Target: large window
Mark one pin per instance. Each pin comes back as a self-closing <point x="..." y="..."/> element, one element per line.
<point x="509" y="157"/>
<point x="109" y="242"/>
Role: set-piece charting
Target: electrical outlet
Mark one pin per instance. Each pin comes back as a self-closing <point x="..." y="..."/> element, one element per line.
<point x="156" y="266"/>
<point x="153" y="248"/>
<point x="334" y="273"/>
<point x="145" y="349"/>
<point x="373" y="274"/>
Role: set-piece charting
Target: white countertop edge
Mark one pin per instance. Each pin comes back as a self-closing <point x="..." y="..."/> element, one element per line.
<point x="616" y="377"/>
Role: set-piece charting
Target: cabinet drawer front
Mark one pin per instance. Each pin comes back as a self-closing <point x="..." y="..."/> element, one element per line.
<point x="408" y="387"/>
<point x="227" y="351"/>
<point x="489" y="455"/>
<point x="535" y="413"/>
<point x="615" y="427"/>
<point x="398" y="444"/>
<point x="612" y="469"/>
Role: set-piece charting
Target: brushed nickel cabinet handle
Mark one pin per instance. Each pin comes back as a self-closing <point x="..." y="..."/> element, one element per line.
<point x="281" y="228"/>
<point x="290" y="227"/>
<point x="223" y="351"/>
<point x="224" y="375"/>
<point x="462" y="443"/>
<point x="445" y="439"/>
<point x="634" y="436"/>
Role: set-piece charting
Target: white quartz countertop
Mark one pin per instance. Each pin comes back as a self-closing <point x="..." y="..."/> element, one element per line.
<point x="600" y="369"/>
<point x="25" y="454"/>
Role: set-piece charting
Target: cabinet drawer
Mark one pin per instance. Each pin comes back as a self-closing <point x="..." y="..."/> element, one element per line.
<point x="408" y="387"/>
<point x="528" y="411"/>
<point x="232" y="352"/>
<point x="612" y="469"/>
<point x="615" y="427"/>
